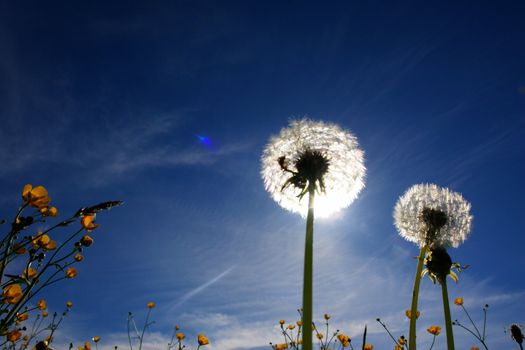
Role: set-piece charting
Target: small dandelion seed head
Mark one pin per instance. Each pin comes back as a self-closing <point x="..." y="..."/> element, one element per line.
<point x="316" y="152"/>
<point x="429" y="214"/>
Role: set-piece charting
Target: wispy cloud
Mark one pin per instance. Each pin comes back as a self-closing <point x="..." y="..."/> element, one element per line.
<point x="202" y="287"/>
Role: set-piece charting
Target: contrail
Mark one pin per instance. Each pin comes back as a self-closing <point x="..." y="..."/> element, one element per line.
<point x="202" y="287"/>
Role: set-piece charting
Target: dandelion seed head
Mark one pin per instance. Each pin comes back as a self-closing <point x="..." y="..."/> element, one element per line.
<point x="342" y="181"/>
<point x="419" y="199"/>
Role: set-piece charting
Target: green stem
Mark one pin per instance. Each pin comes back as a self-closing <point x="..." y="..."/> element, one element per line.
<point x="446" y="309"/>
<point x="308" y="272"/>
<point x="415" y="296"/>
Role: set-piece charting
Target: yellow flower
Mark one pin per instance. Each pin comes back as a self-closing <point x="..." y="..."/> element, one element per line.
<point x="434" y="330"/>
<point x="19" y="249"/>
<point x="281" y="346"/>
<point x="320" y="336"/>
<point x="281" y="322"/>
<point x="13" y="336"/>
<point x="344" y="339"/>
<point x="368" y="347"/>
<point x="291" y="326"/>
<point x="202" y="340"/>
<point x="150" y="305"/>
<point x="12" y="294"/>
<point x="87" y="346"/>
<point x="86" y="241"/>
<point x="180" y="336"/>
<point x="96" y="339"/>
<point x="43" y="241"/>
<point x="402" y="340"/>
<point x="299" y="323"/>
<point x="42" y="305"/>
<point x="71" y="272"/>
<point x="474" y="348"/>
<point x="30" y="273"/>
<point x="87" y="222"/>
<point x="458" y="301"/>
<point x="69" y="304"/>
<point x="408" y="313"/>
<point x="49" y="211"/>
<point x="398" y="347"/>
<point x="326" y="317"/>
<point x="22" y="317"/>
<point x="36" y="197"/>
<point x="79" y="257"/>
<point x="45" y="313"/>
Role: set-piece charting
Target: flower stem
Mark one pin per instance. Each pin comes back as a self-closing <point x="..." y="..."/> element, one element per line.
<point x="415" y="296"/>
<point x="446" y="309"/>
<point x="308" y="272"/>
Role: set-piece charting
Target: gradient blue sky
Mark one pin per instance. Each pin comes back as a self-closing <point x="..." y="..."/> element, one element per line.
<point x="104" y="100"/>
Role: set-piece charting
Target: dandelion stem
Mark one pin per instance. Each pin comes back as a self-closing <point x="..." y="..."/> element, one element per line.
<point x="415" y="296"/>
<point x="308" y="271"/>
<point x="446" y="310"/>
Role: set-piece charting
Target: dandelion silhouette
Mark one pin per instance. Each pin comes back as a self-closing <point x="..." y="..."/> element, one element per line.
<point x="434" y="218"/>
<point x="324" y="161"/>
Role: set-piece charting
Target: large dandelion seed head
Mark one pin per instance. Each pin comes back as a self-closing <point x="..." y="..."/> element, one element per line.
<point x="429" y="214"/>
<point x="325" y="152"/>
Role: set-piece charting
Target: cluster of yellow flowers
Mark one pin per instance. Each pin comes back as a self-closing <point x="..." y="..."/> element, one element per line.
<point x="329" y="341"/>
<point x="30" y="251"/>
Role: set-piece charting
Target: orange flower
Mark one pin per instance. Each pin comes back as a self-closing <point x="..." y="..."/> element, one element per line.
<point x="177" y="327"/>
<point x="291" y="326"/>
<point x="79" y="257"/>
<point x="458" y="301"/>
<point x="43" y="241"/>
<point x="45" y="313"/>
<point x="299" y="323"/>
<point x="69" y="304"/>
<point x="180" y="336"/>
<point x="87" y="222"/>
<point x="202" y="339"/>
<point x="87" y="346"/>
<point x="281" y="346"/>
<point x="36" y="197"/>
<point x="19" y="249"/>
<point x="30" y="273"/>
<point x="71" y="272"/>
<point x="368" y="347"/>
<point x="22" y="317"/>
<point x="398" y="347"/>
<point x="13" y="336"/>
<point x="12" y="294"/>
<point x="402" y="340"/>
<point x="408" y="313"/>
<point x="96" y="339"/>
<point x="86" y="241"/>
<point x="150" y="305"/>
<point x="49" y="211"/>
<point x="434" y="330"/>
<point x="344" y="339"/>
<point x="474" y="348"/>
<point x="42" y="305"/>
<point x="281" y="322"/>
<point x="320" y="336"/>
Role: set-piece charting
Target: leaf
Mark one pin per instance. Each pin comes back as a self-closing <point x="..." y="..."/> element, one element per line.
<point x="99" y="207"/>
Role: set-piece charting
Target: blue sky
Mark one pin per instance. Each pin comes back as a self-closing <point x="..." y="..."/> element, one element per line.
<point x="107" y="101"/>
